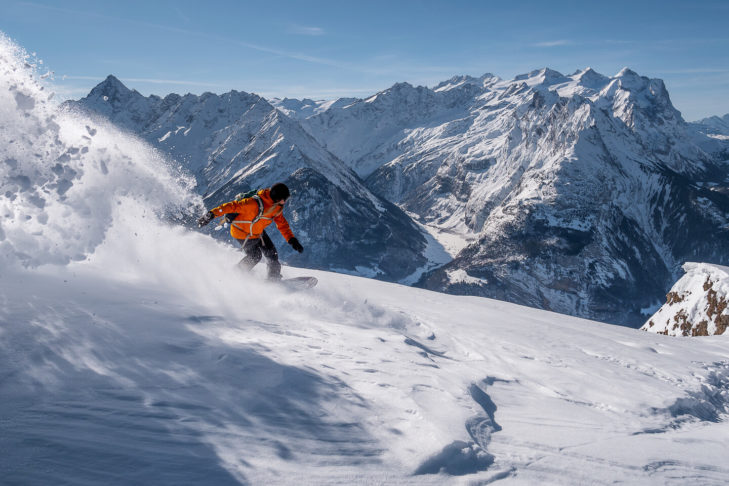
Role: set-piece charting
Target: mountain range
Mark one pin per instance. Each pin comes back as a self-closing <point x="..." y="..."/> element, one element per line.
<point x="581" y="194"/>
<point x="238" y="141"/>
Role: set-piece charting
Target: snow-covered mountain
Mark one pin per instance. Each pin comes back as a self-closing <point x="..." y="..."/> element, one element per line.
<point x="582" y="194"/>
<point x="302" y="109"/>
<point x="696" y="304"/>
<point x="713" y="135"/>
<point x="717" y="126"/>
<point x="131" y="354"/>
<point x="237" y="141"/>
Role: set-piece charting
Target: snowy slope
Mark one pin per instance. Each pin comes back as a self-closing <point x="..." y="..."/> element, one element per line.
<point x="132" y="353"/>
<point x="696" y="304"/>
<point x="238" y="141"/>
<point x="131" y="377"/>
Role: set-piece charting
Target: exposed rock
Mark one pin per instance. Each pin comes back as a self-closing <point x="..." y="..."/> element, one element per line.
<point x="696" y="305"/>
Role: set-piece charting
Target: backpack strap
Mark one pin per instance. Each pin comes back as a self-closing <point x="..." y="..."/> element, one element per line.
<point x="259" y="216"/>
<point x="230" y="217"/>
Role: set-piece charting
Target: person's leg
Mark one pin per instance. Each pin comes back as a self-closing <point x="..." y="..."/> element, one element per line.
<point x="252" y="249"/>
<point x="271" y="254"/>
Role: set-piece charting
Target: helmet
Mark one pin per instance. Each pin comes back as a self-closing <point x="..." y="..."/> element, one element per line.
<point x="279" y="192"/>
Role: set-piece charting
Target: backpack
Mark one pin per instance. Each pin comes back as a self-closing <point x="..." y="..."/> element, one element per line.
<point x="230" y="217"/>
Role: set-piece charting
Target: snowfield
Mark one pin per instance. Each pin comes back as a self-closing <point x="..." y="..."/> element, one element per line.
<point x="138" y="377"/>
<point x="133" y="352"/>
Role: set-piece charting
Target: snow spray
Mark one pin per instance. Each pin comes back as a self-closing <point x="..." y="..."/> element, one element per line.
<point x="64" y="176"/>
<point x="79" y="196"/>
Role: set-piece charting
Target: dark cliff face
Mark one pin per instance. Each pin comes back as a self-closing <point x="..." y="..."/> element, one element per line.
<point x="608" y="272"/>
<point x="347" y="233"/>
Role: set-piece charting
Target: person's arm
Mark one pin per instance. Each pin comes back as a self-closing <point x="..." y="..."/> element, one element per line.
<point x="285" y="229"/>
<point x="229" y="207"/>
<point x="283" y="226"/>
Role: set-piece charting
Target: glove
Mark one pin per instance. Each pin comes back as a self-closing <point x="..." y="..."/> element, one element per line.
<point x="296" y="245"/>
<point x="205" y="219"/>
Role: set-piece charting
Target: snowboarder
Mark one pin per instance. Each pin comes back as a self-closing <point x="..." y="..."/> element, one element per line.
<point x="251" y="216"/>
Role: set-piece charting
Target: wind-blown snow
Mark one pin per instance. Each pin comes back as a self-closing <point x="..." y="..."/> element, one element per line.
<point x="63" y="178"/>
<point x="132" y="352"/>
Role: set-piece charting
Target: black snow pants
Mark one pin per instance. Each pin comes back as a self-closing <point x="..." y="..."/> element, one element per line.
<point x="254" y="248"/>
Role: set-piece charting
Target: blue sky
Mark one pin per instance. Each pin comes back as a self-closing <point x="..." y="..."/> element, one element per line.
<point x="328" y="49"/>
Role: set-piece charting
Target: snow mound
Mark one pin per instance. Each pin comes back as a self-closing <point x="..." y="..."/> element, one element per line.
<point x="696" y="304"/>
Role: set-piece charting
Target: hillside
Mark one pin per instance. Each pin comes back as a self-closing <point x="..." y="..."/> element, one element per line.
<point x="716" y="126"/>
<point x="132" y="351"/>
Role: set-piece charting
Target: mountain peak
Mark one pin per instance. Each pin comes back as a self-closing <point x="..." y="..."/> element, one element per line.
<point x="399" y="89"/>
<point x="590" y="78"/>
<point x="110" y="88"/>
<point x="626" y="72"/>
<point x="401" y="86"/>
<point x="461" y="80"/>
<point x="112" y="83"/>
<point x="653" y="90"/>
<point x="587" y="72"/>
<point x="715" y="125"/>
<point x="551" y="73"/>
<point x="544" y="76"/>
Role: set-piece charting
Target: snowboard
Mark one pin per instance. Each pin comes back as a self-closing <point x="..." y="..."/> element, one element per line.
<point x="298" y="283"/>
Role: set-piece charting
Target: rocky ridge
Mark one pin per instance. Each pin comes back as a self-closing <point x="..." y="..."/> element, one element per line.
<point x="696" y="304"/>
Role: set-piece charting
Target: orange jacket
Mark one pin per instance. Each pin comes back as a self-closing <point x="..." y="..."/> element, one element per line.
<point x="243" y="226"/>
